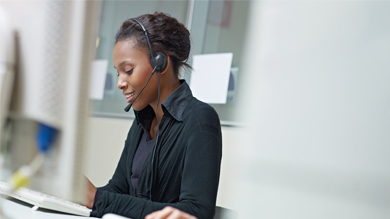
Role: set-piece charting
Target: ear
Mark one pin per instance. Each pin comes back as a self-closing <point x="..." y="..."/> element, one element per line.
<point x="167" y="66"/>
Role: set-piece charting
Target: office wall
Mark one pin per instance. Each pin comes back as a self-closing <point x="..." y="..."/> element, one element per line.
<point x="318" y="100"/>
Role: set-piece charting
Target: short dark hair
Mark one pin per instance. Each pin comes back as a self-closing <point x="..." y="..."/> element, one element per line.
<point x="166" y="35"/>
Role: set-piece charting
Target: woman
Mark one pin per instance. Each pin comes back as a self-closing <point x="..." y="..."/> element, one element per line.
<point x="173" y="150"/>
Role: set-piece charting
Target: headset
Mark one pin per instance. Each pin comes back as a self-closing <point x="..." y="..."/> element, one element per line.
<point x="158" y="61"/>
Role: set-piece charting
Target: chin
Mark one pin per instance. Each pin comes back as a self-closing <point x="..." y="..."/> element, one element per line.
<point x="138" y="108"/>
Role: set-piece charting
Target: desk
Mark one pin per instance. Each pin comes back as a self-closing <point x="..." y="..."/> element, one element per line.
<point x="14" y="209"/>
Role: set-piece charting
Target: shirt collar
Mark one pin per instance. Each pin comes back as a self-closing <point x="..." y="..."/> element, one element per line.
<point x="174" y="104"/>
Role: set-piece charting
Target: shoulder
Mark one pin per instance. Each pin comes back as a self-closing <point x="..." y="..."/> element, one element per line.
<point x="202" y="129"/>
<point x="201" y="115"/>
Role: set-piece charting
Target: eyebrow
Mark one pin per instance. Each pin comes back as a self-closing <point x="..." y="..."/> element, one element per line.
<point x="122" y="63"/>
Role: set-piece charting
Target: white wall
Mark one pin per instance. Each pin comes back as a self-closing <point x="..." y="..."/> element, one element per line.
<point x="318" y="98"/>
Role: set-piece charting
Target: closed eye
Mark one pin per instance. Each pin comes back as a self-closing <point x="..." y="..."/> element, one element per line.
<point x="129" y="71"/>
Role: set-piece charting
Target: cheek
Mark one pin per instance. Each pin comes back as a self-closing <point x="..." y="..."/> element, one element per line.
<point x="140" y="78"/>
<point x="139" y="82"/>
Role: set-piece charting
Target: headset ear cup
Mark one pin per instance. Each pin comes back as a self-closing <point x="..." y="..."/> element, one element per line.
<point x="160" y="60"/>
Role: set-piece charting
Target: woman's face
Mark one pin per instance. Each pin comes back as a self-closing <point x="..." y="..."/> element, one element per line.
<point x="134" y="69"/>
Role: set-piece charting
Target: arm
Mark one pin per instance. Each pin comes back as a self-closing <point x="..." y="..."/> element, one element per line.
<point x="201" y="175"/>
<point x="91" y="191"/>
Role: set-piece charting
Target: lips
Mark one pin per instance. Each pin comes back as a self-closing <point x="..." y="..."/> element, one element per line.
<point x="129" y="96"/>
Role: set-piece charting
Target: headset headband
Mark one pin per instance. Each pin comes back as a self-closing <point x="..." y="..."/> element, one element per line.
<point x="147" y="39"/>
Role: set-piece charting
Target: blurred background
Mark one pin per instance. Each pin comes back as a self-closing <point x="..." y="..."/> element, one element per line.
<point x="307" y="134"/>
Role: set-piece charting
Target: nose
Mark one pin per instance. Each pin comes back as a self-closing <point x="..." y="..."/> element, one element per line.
<point x="122" y="84"/>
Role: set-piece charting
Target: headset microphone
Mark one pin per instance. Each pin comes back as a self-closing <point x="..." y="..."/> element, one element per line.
<point x="131" y="104"/>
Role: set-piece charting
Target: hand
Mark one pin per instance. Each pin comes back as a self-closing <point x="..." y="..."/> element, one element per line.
<point x="169" y="213"/>
<point x="90" y="194"/>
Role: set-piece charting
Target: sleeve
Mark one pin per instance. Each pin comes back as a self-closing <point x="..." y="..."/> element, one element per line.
<point x="201" y="175"/>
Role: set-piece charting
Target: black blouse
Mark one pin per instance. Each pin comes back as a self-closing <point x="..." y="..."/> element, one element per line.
<point x="186" y="164"/>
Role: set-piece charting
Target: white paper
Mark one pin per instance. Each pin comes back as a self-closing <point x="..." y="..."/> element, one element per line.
<point x="210" y="77"/>
<point x="98" y="79"/>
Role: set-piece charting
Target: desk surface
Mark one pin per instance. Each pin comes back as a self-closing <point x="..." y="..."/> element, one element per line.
<point x="14" y="209"/>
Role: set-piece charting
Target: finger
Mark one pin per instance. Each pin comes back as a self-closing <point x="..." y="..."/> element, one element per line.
<point x="150" y="216"/>
<point x="164" y="213"/>
<point x="177" y="214"/>
<point x="161" y="214"/>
